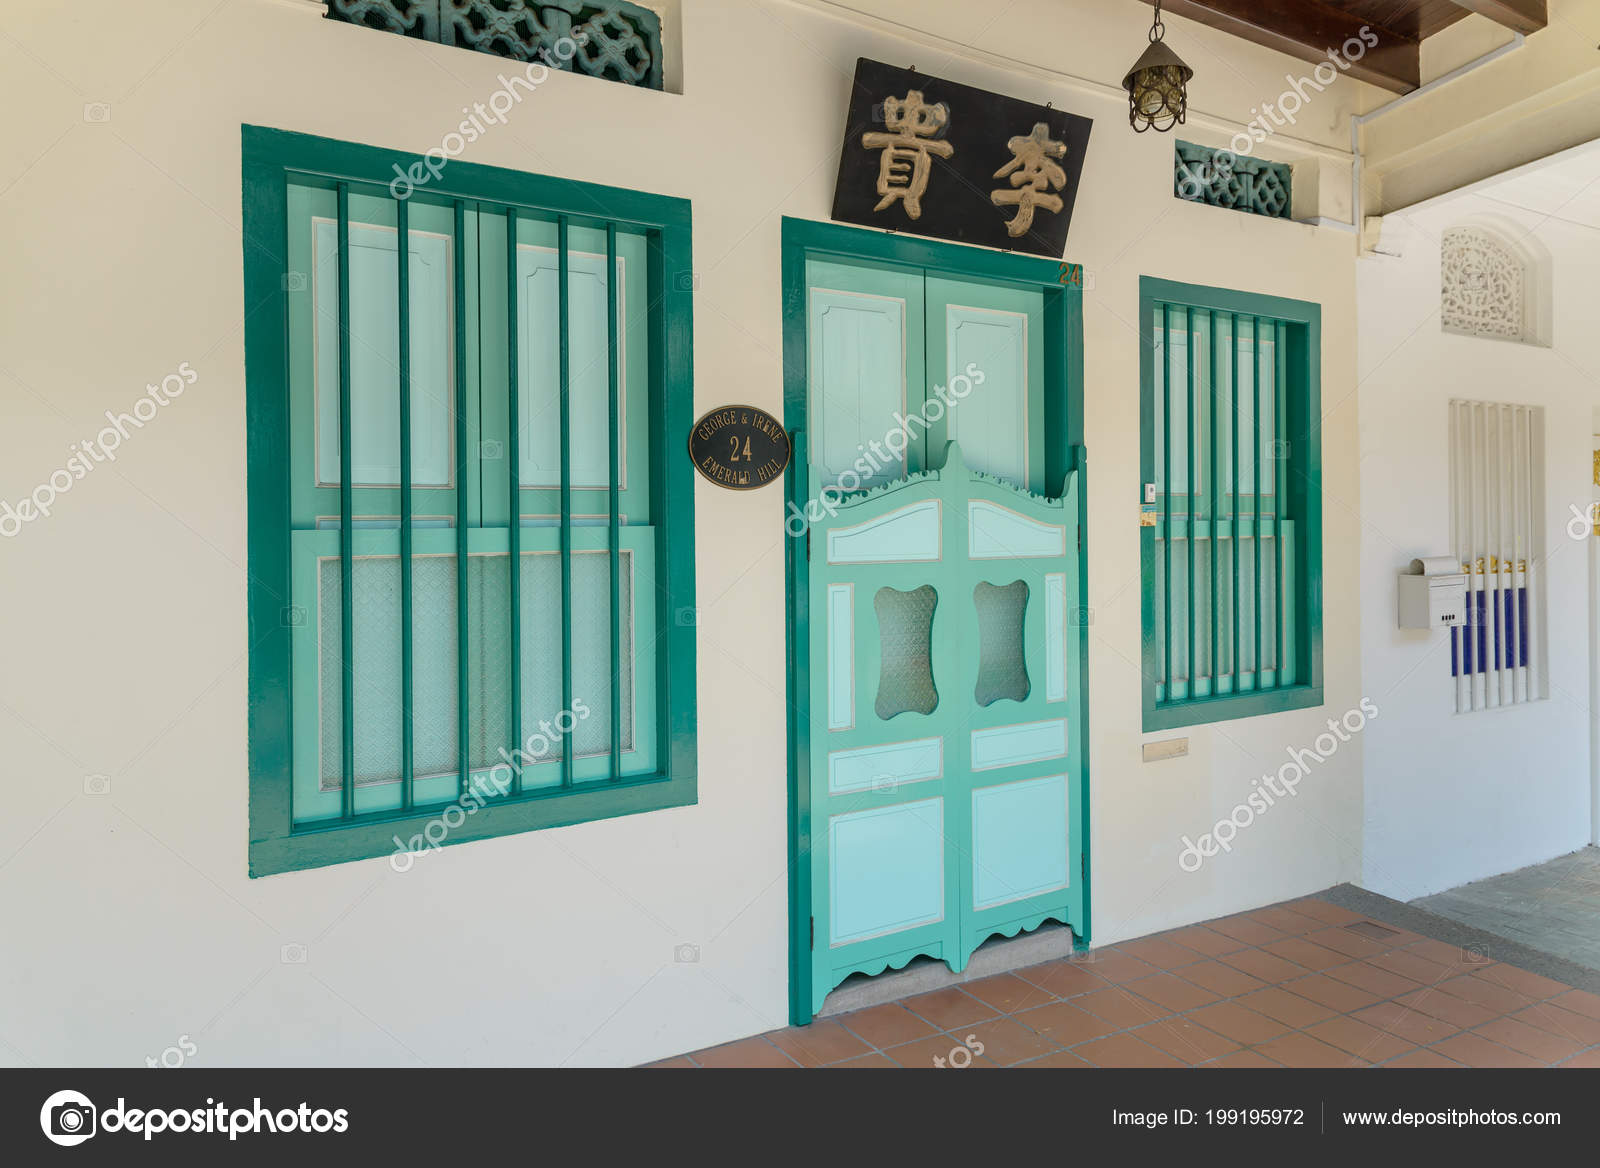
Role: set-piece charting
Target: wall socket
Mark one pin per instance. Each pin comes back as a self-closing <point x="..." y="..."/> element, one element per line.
<point x="1170" y="748"/>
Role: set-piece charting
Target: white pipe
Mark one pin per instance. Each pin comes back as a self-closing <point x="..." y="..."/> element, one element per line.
<point x="1359" y="120"/>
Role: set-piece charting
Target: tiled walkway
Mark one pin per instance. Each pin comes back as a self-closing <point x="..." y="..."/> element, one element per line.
<point x="1553" y="907"/>
<point x="1307" y="984"/>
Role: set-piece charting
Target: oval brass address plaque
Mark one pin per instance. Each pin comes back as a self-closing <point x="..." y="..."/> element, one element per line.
<point x="739" y="447"/>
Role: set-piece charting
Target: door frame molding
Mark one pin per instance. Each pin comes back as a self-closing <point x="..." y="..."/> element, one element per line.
<point x="1062" y="285"/>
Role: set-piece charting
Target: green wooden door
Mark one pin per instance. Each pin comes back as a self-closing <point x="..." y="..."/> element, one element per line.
<point x="944" y="648"/>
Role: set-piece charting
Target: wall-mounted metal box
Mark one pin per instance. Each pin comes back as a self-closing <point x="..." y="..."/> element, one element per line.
<point x="1433" y="594"/>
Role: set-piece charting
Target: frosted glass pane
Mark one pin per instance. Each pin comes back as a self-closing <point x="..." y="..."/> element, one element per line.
<point x="374" y="356"/>
<point x="905" y="630"/>
<point x="1002" y="666"/>
<point x="591" y="650"/>
<point x="377" y="678"/>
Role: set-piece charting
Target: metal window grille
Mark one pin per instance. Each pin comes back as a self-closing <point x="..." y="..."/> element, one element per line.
<point x="1496" y="498"/>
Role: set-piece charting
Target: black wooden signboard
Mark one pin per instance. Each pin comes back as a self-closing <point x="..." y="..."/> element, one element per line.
<point x="739" y="447"/>
<point x="936" y="158"/>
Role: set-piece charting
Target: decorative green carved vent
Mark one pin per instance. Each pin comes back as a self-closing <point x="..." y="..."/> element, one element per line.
<point x="1239" y="182"/>
<point x="614" y="40"/>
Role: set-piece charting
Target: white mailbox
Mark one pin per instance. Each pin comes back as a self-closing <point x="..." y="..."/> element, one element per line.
<point x="1433" y="594"/>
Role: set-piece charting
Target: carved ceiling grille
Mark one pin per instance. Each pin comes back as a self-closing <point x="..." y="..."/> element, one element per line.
<point x="1483" y="290"/>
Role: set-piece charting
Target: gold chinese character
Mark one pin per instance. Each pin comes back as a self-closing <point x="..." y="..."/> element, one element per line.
<point x="1032" y="175"/>
<point x="904" y="169"/>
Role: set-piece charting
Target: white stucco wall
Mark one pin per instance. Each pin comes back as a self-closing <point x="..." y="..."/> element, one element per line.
<point x="127" y="919"/>
<point x="1452" y="798"/>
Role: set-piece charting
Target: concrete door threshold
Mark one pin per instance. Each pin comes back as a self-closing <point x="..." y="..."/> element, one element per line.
<point x="1049" y="942"/>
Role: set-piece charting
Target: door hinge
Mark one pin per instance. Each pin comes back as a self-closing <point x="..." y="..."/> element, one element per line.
<point x="808" y="545"/>
<point x="1083" y="865"/>
<point x="813" y="932"/>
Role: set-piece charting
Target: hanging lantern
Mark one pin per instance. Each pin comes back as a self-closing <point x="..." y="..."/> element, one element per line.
<point x="1156" y="85"/>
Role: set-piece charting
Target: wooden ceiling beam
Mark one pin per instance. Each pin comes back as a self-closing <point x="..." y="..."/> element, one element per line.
<point x="1311" y="31"/>
<point x="1522" y="16"/>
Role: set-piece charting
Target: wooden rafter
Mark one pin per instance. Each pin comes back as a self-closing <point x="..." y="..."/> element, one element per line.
<point x="1523" y="16"/>
<point x="1310" y="31"/>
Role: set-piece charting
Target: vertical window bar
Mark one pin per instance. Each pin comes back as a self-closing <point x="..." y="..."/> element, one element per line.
<point x="1280" y="459"/>
<point x="1234" y="480"/>
<point x="1166" y="489"/>
<point x="566" y="500"/>
<point x="1191" y="390"/>
<point x="615" y="540"/>
<point x="1215" y="541"/>
<point x="514" y="478"/>
<point x="407" y="648"/>
<point x="1255" y="481"/>
<point x="347" y="753"/>
<point x="463" y="712"/>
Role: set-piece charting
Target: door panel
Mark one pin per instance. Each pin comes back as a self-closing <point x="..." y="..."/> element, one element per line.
<point x="904" y="751"/>
<point x="867" y="367"/>
<point x="994" y="336"/>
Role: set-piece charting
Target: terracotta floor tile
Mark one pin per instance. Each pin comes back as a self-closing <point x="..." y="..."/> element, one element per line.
<point x="1244" y="929"/>
<point x="821" y="1042"/>
<point x="747" y="1052"/>
<point x="1285" y="920"/>
<point x="1552" y="1019"/>
<point x="1061" y="1058"/>
<point x="1282" y="1006"/>
<point x="1480" y="992"/>
<point x="1121" y="1008"/>
<point x="1363" y="1041"/>
<point x="1116" y="967"/>
<point x="1579" y="1002"/>
<point x="1007" y="993"/>
<point x="1006" y="1041"/>
<point x="681" y="1061"/>
<point x="1477" y="1051"/>
<point x="1301" y="1050"/>
<point x="1305" y="953"/>
<point x="1530" y="1040"/>
<point x="1064" y="979"/>
<point x="1241" y="1059"/>
<point x="1124" y="1050"/>
<point x="1589" y="1058"/>
<point x="1374" y="980"/>
<point x="1415" y="1027"/>
<point x="1171" y="991"/>
<point x="887" y="1025"/>
<point x="1450" y="1009"/>
<point x="1342" y="940"/>
<point x="1531" y="985"/>
<point x="1442" y="953"/>
<point x="1418" y="969"/>
<point x="1160" y="953"/>
<point x="931" y="1052"/>
<point x="1322" y="910"/>
<point x="867" y="1062"/>
<point x="1338" y="996"/>
<point x="1422" y="1058"/>
<point x="1185" y="1041"/>
<point x="1269" y="967"/>
<point x="1066" y="1025"/>
<point x="949" y="1008"/>
<point x="1203" y="940"/>
<point x="1221" y="979"/>
<point x="1232" y="1020"/>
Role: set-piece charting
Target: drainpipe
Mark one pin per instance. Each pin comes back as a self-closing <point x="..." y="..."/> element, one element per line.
<point x="1357" y="211"/>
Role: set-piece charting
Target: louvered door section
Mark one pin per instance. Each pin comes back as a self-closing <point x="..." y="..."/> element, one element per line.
<point x="1496" y="498"/>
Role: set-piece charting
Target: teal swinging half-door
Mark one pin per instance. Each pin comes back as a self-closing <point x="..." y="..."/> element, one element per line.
<point x="943" y="682"/>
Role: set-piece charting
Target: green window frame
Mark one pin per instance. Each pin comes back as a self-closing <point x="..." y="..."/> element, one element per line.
<point x="1230" y="458"/>
<point x="400" y="698"/>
